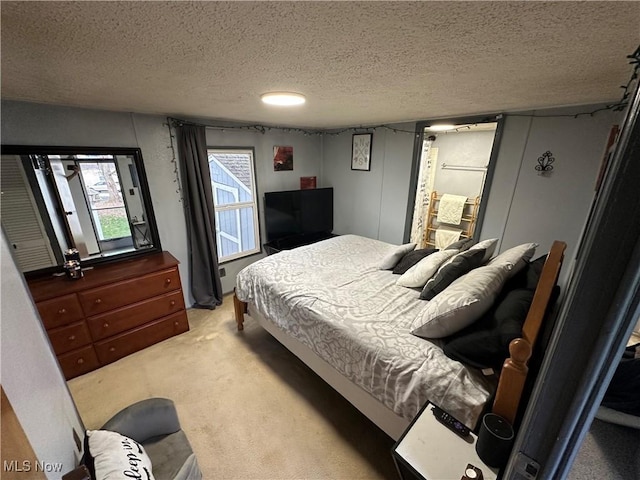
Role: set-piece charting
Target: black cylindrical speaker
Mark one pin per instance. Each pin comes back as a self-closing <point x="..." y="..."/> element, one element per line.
<point x="495" y="439"/>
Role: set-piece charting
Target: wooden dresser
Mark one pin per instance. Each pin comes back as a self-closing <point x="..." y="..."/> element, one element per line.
<point x="114" y="310"/>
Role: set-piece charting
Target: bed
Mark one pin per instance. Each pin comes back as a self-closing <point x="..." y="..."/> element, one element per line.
<point x="332" y="305"/>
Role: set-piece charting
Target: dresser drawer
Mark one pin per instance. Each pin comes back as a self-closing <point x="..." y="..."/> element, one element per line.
<point x="59" y="311"/>
<point x="78" y="362"/>
<point x="65" y="339"/>
<point x="125" y="318"/>
<point x="113" y="348"/>
<point x="103" y="299"/>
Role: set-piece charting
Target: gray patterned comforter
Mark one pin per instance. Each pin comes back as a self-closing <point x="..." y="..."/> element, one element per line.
<point x="332" y="297"/>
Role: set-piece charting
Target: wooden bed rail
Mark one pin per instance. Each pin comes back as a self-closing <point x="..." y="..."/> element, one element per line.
<point x="515" y="369"/>
<point x="240" y="308"/>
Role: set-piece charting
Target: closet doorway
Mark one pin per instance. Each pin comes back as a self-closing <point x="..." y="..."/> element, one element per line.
<point x="453" y="165"/>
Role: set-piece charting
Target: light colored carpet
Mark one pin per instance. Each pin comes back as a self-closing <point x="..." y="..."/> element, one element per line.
<point x="250" y="408"/>
<point x="609" y="452"/>
<point x="610" y="449"/>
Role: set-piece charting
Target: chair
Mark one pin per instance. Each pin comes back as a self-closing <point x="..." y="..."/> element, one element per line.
<point x="154" y="423"/>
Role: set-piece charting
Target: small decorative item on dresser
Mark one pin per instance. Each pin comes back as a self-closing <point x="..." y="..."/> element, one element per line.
<point x="73" y="269"/>
<point x="72" y="254"/>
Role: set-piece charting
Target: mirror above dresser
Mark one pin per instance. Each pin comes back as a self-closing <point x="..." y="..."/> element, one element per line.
<point x="93" y="199"/>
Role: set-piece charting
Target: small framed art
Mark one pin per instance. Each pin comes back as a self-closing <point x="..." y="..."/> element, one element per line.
<point x="282" y="158"/>
<point x="361" y="151"/>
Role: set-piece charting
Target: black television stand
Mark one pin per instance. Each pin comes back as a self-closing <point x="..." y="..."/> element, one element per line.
<point x="293" y="241"/>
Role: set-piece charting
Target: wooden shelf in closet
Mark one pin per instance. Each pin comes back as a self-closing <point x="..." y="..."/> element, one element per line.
<point x="114" y="310"/>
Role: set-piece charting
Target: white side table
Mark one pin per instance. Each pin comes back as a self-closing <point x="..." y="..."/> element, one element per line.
<point x="428" y="450"/>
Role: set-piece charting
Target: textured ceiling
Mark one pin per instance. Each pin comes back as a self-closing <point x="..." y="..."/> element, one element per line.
<point x="358" y="63"/>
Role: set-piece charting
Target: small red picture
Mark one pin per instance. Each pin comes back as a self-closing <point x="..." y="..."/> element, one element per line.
<point x="307" y="183"/>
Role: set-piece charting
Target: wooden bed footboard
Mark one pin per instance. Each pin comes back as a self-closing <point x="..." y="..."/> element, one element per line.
<point x="240" y="308"/>
<point x="515" y="369"/>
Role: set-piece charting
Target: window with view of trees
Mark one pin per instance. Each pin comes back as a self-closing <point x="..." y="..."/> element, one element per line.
<point x="235" y="201"/>
<point x="106" y="205"/>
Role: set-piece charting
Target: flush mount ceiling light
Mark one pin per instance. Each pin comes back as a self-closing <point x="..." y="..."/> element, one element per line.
<point x="441" y="127"/>
<point x="283" y="99"/>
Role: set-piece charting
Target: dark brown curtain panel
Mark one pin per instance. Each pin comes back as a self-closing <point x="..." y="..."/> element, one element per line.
<point x="206" y="287"/>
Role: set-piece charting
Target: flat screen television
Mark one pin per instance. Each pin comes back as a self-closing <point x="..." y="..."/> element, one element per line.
<point x="298" y="212"/>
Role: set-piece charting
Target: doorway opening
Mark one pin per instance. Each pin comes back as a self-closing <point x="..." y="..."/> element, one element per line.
<point x="453" y="164"/>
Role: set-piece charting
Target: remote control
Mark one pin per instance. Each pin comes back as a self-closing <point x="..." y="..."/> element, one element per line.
<point x="450" y="422"/>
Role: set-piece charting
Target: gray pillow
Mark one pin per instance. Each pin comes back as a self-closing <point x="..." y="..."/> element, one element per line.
<point x="418" y="275"/>
<point x="485" y="343"/>
<point x="394" y="256"/>
<point x="489" y="246"/>
<point x="411" y="258"/>
<point x="459" y="265"/>
<point x="111" y="455"/>
<point x="461" y="245"/>
<point x="517" y="256"/>
<point x="462" y="303"/>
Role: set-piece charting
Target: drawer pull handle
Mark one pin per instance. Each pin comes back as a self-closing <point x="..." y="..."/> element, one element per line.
<point x="80" y="361"/>
<point x="62" y="311"/>
<point x="72" y="338"/>
<point x="167" y="281"/>
<point x="176" y="323"/>
<point x="98" y="301"/>
<point x="112" y="349"/>
<point x="106" y="325"/>
<point x="172" y="303"/>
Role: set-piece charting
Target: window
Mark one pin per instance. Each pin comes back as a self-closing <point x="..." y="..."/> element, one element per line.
<point x="106" y="204"/>
<point x="235" y="201"/>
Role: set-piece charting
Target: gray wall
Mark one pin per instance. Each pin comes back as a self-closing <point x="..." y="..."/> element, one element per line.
<point x="372" y="204"/>
<point x="527" y="207"/>
<point x="522" y="205"/>
<point x="31" y="377"/>
<point x="36" y="124"/>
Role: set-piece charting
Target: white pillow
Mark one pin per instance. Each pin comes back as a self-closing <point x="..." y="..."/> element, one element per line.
<point x="489" y="245"/>
<point x="392" y="258"/>
<point x="461" y="303"/>
<point x="421" y="272"/>
<point x="116" y="457"/>
<point x="516" y="256"/>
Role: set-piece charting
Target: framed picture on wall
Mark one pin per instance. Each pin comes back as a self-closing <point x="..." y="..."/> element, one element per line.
<point x="282" y="158"/>
<point x="361" y="151"/>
